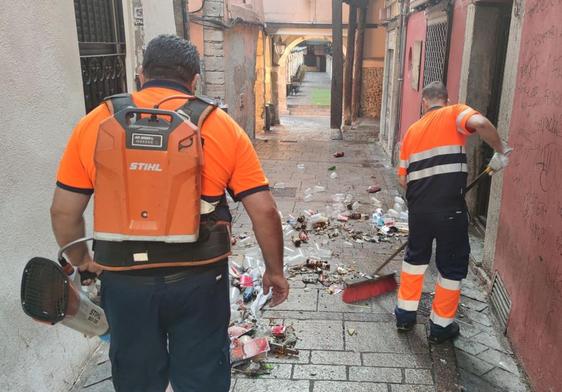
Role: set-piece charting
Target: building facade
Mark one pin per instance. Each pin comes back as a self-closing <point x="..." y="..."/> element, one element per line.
<point x="77" y="53"/>
<point x="503" y="58"/>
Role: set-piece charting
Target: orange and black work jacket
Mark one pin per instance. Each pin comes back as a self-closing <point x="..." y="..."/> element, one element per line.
<point x="433" y="159"/>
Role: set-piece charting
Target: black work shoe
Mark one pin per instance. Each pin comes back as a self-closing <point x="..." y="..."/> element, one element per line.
<point x="405" y="326"/>
<point x="438" y="334"/>
<point x="405" y="319"/>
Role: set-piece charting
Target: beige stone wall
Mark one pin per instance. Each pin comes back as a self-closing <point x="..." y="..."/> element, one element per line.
<point x="371" y="91"/>
<point x="259" y="87"/>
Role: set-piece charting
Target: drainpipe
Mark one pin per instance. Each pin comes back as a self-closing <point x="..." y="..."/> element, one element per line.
<point x="403" y="19"/>
<point x="185" y="19"/>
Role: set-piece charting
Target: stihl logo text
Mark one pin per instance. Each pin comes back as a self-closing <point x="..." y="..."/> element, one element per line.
<point x="144" y="166"/>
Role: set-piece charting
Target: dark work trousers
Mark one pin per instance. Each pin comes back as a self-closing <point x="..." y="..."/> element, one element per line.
<point x="169" y="328"/>
<point x="450" y="231"/>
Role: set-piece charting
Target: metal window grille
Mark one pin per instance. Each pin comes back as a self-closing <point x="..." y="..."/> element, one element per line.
<point x="101" y="39"/>
<point x="435" y="52"/>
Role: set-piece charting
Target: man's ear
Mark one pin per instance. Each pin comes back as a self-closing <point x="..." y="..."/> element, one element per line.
<point x="424" y="105"/>
<point x="194" y="82"/>
<point x="140" y="73"/>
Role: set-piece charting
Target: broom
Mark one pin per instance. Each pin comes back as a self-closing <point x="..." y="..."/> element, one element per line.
<point x="379" y="285"/>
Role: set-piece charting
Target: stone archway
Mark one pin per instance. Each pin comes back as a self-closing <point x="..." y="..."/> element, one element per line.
<point x="278" y="72"/>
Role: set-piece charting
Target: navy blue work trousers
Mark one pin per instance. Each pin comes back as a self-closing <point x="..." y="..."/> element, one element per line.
<point x="169" y="328"/>
<point x="450" y="231"/>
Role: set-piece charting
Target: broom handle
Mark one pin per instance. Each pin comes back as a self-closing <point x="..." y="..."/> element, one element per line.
<point x="391" y="257"/>
<point x="488" y="171"/>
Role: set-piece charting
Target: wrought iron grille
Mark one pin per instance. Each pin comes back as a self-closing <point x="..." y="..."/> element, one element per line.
<point x="435" y="52"/>
<point x="101" y="39"/>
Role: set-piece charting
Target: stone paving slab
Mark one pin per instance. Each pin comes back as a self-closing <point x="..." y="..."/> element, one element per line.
<point x="505" y="380"/>
<point x="339" y="386"/>
<point x="263" y="385"/>
<point x="318" y="334"/>
<point x="413" y="388"/>
<point x="320" y="372"/>
<point x="396" y="360"/>
<point x="375" y="337"/>
<point x="375" y="374"/>
<point x="418" y="376"/>
<point x="336" y="358"/>
<point x="300" y="299"/>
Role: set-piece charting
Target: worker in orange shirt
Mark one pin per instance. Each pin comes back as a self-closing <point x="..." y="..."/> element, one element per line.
<point x="167" y="303"/>
<point x="433" y="170"/>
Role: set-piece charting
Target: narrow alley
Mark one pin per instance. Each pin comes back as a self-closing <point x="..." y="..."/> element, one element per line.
<point x="349" y="347"/>
<point x="349" y="104"/>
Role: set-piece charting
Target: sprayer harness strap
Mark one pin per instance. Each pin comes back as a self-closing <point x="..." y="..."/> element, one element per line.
<point x="197" y="109"/>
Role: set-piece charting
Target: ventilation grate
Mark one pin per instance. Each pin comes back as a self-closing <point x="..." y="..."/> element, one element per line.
<point x="500" y="301"/>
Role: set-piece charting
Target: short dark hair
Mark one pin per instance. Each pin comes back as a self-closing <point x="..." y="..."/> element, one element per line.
<point x="435" y="91"/>
<point x="170" y="57"/>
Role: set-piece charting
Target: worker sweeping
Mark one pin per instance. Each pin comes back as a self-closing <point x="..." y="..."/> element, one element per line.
<point x="433" y="170"/>
<point x="159" y="162"/>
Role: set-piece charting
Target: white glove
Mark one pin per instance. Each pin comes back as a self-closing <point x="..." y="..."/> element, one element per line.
<point x="499" y="160"/>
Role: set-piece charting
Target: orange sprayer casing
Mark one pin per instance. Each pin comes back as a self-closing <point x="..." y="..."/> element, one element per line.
<point x="148" y="177"/>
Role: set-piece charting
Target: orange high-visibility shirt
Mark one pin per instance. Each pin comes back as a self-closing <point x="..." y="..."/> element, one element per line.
<point x="433" y="159"/>
<point x="230" y="161"/>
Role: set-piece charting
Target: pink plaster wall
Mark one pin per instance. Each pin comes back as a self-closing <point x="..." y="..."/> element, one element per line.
<point x="456" y="49"/>
<point x="529" y="244"/>
<point x="411" y="99"/>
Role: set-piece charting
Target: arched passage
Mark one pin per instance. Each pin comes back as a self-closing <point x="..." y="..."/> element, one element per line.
<point x="279" y="72"/>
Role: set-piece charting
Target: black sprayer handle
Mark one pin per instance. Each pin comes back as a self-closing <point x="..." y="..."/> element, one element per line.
<point x="69" y="270"/>
<point x="87" y="275"/>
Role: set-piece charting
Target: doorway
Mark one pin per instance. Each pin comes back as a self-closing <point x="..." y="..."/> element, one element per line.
<point x="484" y="88"/>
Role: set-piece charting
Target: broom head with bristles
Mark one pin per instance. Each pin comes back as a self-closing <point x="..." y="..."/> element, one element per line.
<point x="371" y="288"/>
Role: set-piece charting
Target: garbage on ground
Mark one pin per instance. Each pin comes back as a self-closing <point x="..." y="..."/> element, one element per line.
<point x="373" y="189"/>
<point x="333" y="175"/>
<point x="332" y="168"/>
<point x="346" y="220"/>
<point x="339" y="154"/>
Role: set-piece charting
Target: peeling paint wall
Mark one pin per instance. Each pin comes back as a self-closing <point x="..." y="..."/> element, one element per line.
<point x="529" y="242"/>
<point x="43" y="101"/>
<point x="240" y="74"/>
<point x="411" y="98"/>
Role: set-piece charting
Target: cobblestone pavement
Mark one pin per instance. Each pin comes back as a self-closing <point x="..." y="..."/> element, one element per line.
<point x="354" y="347"/>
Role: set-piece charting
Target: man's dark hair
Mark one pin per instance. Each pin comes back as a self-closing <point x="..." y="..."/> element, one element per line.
<point x="435" y="91"/>
<point x="170" y="57"/>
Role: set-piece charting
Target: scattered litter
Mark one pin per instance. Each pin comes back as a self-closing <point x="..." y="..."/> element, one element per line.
<point x="339" y="154"/>
<point x="349" y="220"/>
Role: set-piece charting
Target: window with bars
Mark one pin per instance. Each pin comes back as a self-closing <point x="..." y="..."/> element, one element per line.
<point x="101" y="39"/>
<point x="436" y="51"/>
